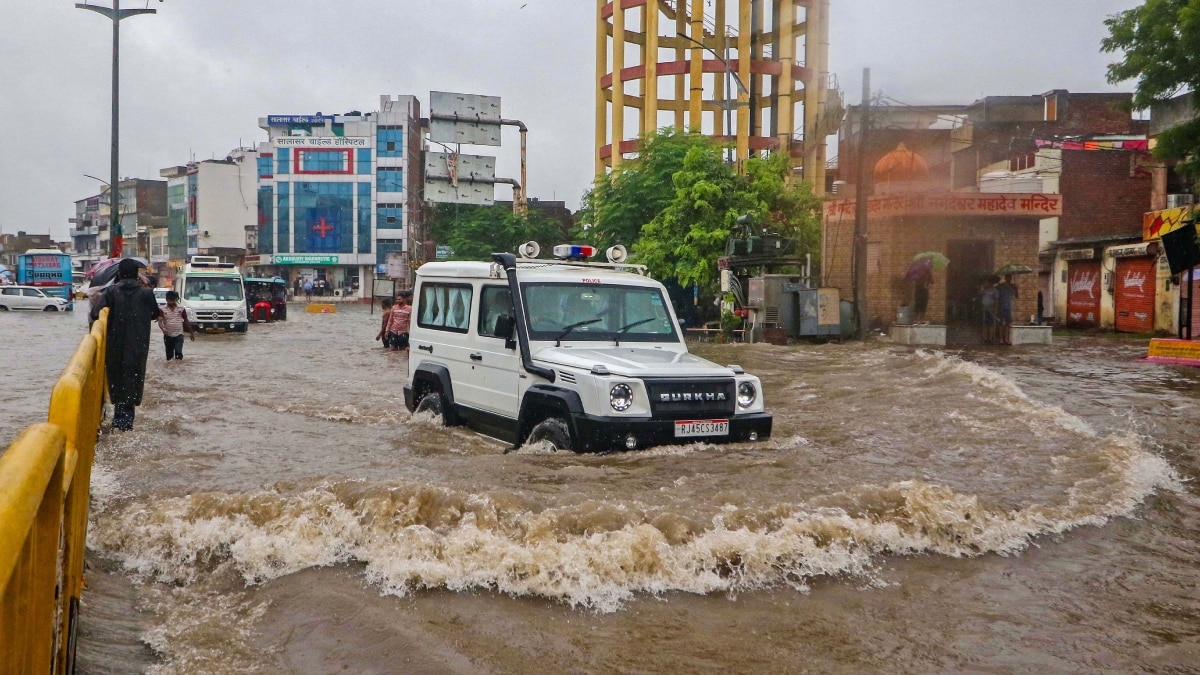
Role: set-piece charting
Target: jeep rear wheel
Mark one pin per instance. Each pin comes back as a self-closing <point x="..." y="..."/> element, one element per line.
<point x="552" y="430"/>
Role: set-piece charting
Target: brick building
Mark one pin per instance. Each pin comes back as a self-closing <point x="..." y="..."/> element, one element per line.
<point x="1086" y="147"/>
<point x="909" y="215"/>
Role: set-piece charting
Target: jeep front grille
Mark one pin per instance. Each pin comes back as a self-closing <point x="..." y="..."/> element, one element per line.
<point x="214" y="315"/>
<point x="691" y="398"/>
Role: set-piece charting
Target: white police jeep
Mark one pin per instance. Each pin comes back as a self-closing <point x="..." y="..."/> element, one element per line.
<point x="586" y="356"/>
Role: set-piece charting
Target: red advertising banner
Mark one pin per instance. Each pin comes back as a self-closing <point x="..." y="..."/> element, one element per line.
<point x="951" y="204"/>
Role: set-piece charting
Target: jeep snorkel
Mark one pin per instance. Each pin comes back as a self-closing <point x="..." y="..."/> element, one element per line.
<point x="508" y="261"/>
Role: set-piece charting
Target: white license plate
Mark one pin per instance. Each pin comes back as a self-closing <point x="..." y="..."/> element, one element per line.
<point x="691" y="428"/>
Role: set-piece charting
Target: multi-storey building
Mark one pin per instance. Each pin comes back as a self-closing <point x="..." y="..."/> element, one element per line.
<point x="209" y="206"/>
<point x="143" y="211"/>
<point x="13" y="245"/>
<point x="85" y="233"/>
<point x="338" y="193"/>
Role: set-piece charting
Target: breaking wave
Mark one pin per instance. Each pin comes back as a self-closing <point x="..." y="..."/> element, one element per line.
<point x="594" y="554"/>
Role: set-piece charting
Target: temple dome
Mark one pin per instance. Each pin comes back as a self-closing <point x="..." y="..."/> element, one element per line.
<point x="901" y="166"/>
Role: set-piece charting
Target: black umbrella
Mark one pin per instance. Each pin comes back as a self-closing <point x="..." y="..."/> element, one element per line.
<point x="106" y="275"/>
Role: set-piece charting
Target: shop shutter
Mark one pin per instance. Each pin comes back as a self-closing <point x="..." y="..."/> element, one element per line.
<point x="1196" y="303"/>
<point x="1135" y="295"/>
<point x="1083" y="293"/>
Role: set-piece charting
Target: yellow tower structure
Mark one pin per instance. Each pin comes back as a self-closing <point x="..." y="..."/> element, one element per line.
<point x="738" y="73"/>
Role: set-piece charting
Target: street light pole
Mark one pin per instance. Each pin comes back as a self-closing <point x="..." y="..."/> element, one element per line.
<point x="114" y="191"/>
<point x="742" y="90"/>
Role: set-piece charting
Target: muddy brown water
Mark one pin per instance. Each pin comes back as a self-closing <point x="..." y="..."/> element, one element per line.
<point x="277" y="510"/>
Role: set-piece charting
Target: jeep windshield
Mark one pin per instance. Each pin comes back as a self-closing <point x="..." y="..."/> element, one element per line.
<point x="213" y="288"/>
<point x="598" y="313"/>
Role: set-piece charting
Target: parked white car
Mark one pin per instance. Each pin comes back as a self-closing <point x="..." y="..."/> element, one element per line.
<point x="29" y="297"/>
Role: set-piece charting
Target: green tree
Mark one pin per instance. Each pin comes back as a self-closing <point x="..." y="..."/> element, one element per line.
<point x="622" y="202"/>
<point x="476" y="232"/>
<point x="1160" y="42"/>
<point x="685" y="240"/>
<point x="679" y="200"/>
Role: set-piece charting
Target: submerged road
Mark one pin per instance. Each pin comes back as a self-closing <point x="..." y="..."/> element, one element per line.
<point x="989" y="510"/>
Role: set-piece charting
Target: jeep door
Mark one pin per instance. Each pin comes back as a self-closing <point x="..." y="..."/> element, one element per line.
<point x="495" y="368"/>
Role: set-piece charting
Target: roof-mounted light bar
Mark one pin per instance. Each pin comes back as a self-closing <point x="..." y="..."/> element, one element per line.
<point x="574" y="251"/>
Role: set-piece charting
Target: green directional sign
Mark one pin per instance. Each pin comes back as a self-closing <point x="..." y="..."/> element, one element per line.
<point x="444" y="252"/>
<point x="306" y="260"/>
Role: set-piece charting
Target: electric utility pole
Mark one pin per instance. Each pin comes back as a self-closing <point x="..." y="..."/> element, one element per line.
<point x="860" y="211"/>
<point x="114" y="186"/>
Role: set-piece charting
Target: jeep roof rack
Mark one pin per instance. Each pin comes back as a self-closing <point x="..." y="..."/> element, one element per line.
<point x="620" y="267"/>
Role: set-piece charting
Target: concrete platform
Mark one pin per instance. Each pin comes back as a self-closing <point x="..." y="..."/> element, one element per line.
<point x="923" y="334"/>
<point x="1177" y="352"/>
<point x="1032" y="335"/>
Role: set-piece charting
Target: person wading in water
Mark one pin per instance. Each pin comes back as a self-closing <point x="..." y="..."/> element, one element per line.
<point x="131" y="310"/>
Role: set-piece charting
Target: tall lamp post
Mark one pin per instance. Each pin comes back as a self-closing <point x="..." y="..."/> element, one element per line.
<point x="727" y="105"/>
<point x="114" y="191"/>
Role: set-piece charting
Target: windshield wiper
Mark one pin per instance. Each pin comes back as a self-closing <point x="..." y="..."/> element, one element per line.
<point x="622" y="329"/>
<point x="567" y="329"/>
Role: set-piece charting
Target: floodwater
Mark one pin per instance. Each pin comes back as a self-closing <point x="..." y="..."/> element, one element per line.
<point x="276" y="509"/>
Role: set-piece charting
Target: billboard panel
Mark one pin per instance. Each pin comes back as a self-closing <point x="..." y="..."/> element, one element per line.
<point x="469" y="106"/>
<point x="464" y="118"/>
<point x="442" y="192"/>
<point x="460" y="167"/>
<point x="470" y="133"/>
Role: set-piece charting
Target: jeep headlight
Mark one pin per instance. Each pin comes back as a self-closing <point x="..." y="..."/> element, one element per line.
<point x="620" y="397"/>
<point x="240" y="314"/>
<point x="747" y="393"/>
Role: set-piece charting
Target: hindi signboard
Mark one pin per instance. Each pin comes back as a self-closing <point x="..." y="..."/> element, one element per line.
<point x="322" y="142"/>
<point x="951" y="204"/>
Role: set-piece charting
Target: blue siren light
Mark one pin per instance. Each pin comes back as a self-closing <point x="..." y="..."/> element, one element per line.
<point x="574" y="251"/>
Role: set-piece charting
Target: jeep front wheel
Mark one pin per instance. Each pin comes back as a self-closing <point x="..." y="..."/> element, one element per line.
<point x="433" y="404"/>
<point x="551" y="430"/>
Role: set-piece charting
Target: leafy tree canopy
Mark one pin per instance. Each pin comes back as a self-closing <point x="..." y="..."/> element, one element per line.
<point x="678" y="201"/>
<point x="1160" y="42"/>
<point x="622" y="202"/>
<point x="476" y="232"/>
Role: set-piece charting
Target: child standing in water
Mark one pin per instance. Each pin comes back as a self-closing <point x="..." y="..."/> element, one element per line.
<point x="173" y="321"/>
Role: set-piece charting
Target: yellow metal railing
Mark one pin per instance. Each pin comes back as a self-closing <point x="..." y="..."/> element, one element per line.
<point x="44" y="480"/>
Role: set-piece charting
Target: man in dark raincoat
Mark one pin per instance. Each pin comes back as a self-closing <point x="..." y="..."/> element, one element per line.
<point x="131" y="310"/>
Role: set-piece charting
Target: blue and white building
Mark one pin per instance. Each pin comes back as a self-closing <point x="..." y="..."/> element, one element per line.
<point x="336" y="193"/>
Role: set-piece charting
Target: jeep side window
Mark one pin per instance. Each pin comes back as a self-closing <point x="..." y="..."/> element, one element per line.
<point x="494" y="302"/>
<point x="445" y="307"/>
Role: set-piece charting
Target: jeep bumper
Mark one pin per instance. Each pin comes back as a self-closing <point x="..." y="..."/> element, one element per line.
<point x="602" y="434"/>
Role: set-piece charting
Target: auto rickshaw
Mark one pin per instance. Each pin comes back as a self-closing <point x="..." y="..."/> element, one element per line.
<point x="266" y="299"/>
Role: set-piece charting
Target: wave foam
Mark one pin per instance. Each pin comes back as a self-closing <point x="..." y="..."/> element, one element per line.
<point x="597" y="554"/>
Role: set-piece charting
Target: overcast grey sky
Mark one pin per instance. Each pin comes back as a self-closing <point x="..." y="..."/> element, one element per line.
<point x="196" y="77"/>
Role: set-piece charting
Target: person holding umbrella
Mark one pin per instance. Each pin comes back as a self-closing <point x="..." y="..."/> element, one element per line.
<point x="131" y="310"/>
<point x="1006" y="295"/>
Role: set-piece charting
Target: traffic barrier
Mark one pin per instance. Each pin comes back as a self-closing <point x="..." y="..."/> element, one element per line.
<point x="44" y="488"/>
<point x="321" y="308"/>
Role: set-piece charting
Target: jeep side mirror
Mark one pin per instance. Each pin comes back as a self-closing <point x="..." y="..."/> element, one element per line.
<point x="504" y="329"/>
